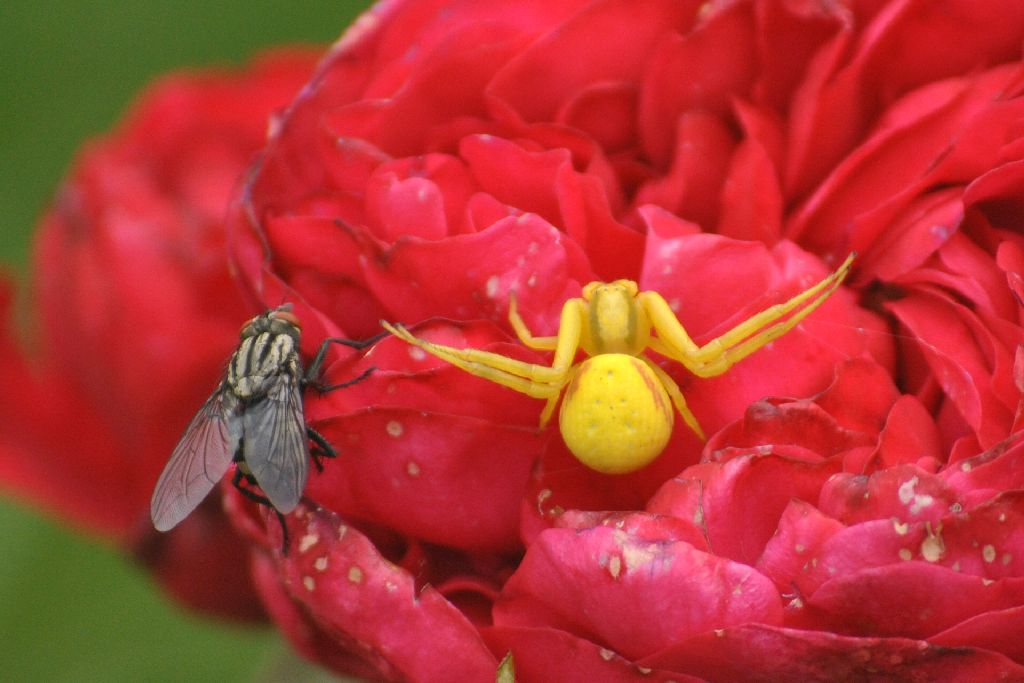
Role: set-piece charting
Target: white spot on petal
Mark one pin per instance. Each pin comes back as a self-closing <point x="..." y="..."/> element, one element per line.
<point x="932" y="548"/>
<point x="909" y="497"/>
<point x="413" y="469"/>
<point x="988" y="553"/>
<point x="321" y="564"/>
<point x="615" y="566"/>
<point x="638" y="557"/>
<point x="309" y="583"/>
<point x="307" y="542"/>
<point x="905" y="554"/>
<point x="394" y="428"/>
<point x="416" y="353"/>
<point x="606" y="654"/>
<point x="355" y="574"/>
<point x="492" y="286"/>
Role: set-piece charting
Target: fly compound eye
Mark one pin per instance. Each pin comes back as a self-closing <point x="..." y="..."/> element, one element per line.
<point x="286" y="316"/>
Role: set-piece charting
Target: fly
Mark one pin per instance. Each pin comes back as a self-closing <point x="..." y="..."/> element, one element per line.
<point x="254" y="419"/>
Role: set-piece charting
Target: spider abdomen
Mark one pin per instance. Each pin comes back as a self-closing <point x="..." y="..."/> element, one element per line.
<point x="616" y="416"/>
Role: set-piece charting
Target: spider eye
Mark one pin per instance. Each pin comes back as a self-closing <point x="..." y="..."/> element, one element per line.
<point x="631" y="287"/>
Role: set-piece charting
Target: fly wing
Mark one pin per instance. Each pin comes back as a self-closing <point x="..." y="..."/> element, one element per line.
<point x="276" y="448"/>
<point x="198" y="462"/>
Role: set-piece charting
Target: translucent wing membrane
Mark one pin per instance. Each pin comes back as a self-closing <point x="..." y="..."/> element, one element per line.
<point x="276" y="448"/>
<point x="199" y="461"/>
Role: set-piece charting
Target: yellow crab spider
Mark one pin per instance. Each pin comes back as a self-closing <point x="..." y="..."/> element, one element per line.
<point x="617" y="413"/>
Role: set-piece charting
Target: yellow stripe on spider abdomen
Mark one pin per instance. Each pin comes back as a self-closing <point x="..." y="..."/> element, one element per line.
<point x="616" y="416"/>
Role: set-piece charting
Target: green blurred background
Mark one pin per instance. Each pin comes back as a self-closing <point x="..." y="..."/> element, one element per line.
<point x="71" y="609"/>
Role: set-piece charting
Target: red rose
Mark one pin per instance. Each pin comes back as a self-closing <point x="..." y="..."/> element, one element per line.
<point x="136" y="311"/>
<point x="854" y="512"/>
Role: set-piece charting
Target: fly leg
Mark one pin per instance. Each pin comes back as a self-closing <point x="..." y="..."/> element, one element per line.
<point x="237" y="480"/>
<point x="322" y="449"/>
<point x="313" y="371"/>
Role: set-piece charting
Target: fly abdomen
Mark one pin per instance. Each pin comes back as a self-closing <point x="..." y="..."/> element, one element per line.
<point x="258" y="360"/>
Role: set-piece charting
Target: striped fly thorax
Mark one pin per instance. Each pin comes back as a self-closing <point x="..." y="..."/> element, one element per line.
<point x="268" y="348"/>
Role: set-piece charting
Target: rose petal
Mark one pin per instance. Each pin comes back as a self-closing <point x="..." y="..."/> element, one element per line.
<point x="902" y="492"/>
<point x="547" y="654"/>
<point x="902" y="600"/>
<point x="366" y="605"/>
<point x="715" y="61"/>
<point x="470" y="276"/>
<point x="742" y="499"/>
<point x="757" y="652"/>
<point x="448" y="479"/>
<point x="926" y="138"/>
<point x="692" y="187"/>
<point x="997" y="631"/>
<point x="860" y="397"/>
<point x="561" y="482"/>
<point x="792" y="551"/>
<point x="909" y="436"/>
<point x="986" y="475"/>
<point x="957" y="359"/>
<point x="537" y="81"/>
<point x="632" y="594"/>
<point x="751" y="198"/>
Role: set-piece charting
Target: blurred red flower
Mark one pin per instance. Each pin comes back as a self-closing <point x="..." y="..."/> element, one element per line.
<point x="855" y="510"/>
<point x="136" y="312"/>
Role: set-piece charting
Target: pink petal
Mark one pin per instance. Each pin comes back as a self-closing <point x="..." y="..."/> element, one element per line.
<point x="758" y="652"/>
<point x="589" y="48"/>
<point x="547" y="654"/>
<point x="431" y="475"/>
<point x="714" y="62"/>
<point x="997" y="631"/>
<point x="912" y="599"/>
<point x="630" y="593"/>
<point x="691" y="189"/>
<point x="335" y="591"/>
<point x="741" y="500"/>
<point x="902" y="492"/>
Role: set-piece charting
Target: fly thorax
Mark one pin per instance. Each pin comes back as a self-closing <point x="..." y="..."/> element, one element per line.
<point x="258" y="359"/>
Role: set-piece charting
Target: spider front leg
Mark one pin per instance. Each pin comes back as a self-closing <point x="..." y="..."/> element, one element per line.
<point x="538" y="381"/>
<point x="523" y="332"/>
<point x="721" y="353"/>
